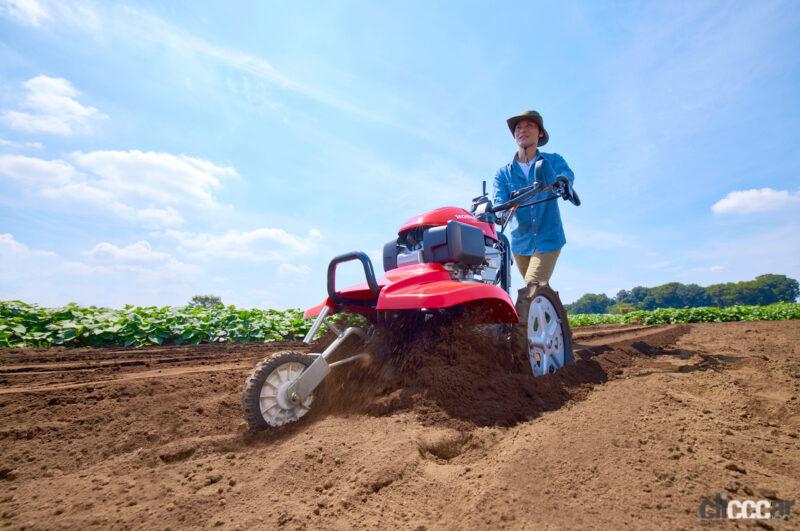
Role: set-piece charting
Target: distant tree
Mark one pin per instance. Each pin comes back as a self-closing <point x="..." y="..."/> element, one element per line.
<point x="634" y="296"/>
<point x="765" y="289"/>
<point x="675" y="295"/>
<point x="723" y="294"/>
<point x="776" y="288"/>
<point x="591" y="303"/>
<point x="206" y="301"/>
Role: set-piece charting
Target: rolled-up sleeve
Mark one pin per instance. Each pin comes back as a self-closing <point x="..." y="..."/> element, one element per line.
<point x="501" y="190"/>
<point x="561" y="168"/>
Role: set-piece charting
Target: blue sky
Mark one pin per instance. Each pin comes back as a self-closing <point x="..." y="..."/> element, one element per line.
<point x="150" y="151"/>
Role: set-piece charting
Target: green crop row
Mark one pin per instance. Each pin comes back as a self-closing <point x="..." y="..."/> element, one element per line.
<point x="773" y="312"/>
<point x="72" y="325"/>
<point x="27" y="325"/>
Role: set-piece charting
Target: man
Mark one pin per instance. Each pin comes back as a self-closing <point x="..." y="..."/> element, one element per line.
<point x="538" y="235"/>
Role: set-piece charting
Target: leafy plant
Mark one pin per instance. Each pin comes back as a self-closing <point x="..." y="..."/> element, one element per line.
<point x="28" y="325"/>
<point x="32" y="326"/>
<point x="771" y="312"/>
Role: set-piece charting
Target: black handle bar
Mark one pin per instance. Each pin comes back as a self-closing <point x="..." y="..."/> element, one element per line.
<point x="369" y="272"/>
<point x="561" y="188"/>
<point x="520" y="196"/>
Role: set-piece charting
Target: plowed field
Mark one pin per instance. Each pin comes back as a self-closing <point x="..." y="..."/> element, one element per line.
<point x="645" y="424"/>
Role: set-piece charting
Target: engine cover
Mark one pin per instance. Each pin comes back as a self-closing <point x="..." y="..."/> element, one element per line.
<point x="455" y="242"/>
<point x="442" y="216"/>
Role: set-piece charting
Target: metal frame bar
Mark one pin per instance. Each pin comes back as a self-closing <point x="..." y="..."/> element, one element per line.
<point x="310" y="378"/>
<point x="317" y="323"/>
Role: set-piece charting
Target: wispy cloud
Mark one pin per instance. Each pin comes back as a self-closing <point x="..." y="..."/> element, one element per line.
<point x="11" y="248"/>
<point x="756" y="200"/>
<point x="293" y="271"/>
<point x="150" y="28"/>
<point x="258" y="245"/>
<point x="140" y="253"/>
<point x="683" y="66"/>
<point x="37" y="146"/>
<point x="28" y="12"/>
<point x="50" y="105"/>
<point x="145" y="27"/>
<point x="138" y="258"/>
<point x="53" y="13"/>
<point x="146" y="187"/>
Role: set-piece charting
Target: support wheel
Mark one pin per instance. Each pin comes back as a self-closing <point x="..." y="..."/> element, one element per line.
<point x="265" y="402"/>
<point x="543" y="334"/>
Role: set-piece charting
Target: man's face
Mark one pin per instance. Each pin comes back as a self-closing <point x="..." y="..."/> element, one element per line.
<point x="526" y="133"/>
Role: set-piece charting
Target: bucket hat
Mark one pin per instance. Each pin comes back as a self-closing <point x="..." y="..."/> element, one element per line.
<point x="533" y="116"/>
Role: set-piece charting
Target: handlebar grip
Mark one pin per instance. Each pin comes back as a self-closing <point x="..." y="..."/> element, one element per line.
<point x="369" y="272"/>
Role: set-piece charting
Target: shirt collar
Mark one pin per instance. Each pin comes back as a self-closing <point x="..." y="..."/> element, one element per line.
<point x="537" y="157"/>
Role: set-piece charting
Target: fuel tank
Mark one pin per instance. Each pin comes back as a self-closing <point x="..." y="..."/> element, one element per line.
<point x="441" y="216"/>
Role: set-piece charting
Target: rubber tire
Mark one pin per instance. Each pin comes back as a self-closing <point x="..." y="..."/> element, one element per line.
<point x="254" y="383"/>
<point x="520" y="334"/>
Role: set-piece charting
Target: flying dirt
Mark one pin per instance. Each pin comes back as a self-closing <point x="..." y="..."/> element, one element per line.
<point x="645" y="424"/>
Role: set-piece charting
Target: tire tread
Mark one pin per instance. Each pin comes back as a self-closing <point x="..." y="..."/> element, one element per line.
<point x="255" y="381"/>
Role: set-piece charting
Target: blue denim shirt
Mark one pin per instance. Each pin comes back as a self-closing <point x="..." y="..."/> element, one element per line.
<point x="537" y="227"/>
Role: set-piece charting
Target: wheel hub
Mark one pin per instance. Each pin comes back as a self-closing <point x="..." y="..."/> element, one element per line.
<point x="276" y="405"/>
<point x="545" y="337"/>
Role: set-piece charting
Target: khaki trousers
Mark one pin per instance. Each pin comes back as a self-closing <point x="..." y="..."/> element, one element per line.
<point x="537" y="269"/>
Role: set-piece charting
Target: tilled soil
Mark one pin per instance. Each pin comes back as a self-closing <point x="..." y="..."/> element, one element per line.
<point x="649" y="421"/>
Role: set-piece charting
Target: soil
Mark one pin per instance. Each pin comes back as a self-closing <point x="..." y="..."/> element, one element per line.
<point x="453" y="434"/>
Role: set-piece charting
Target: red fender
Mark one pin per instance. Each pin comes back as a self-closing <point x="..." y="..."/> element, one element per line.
<point x="429" y="286"/>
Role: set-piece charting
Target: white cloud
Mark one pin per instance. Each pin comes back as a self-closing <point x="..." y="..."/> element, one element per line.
<point x="34" y="172"/>
<point x="161" y="177"/>
<point x="144" y="187"/>
<point x="21" y="145"/>
<point x="292" y="270"/>
<point x="756" y="200"/>
<point x="160" y="217"/>
<point x="716" y="269"/>
<point x="137" y="253"/>
<point x="22" y="268"/>
<point x="263" y="244"/>
<point x="50" y="106"/>
<point x="11" y="248"/>
<point x="138" y="259"/>
<point x="147" y="27"/>
<point x="29" y="12"/>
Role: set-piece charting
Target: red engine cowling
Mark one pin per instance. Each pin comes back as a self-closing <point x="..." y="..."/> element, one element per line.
<point x="441" y="216"/>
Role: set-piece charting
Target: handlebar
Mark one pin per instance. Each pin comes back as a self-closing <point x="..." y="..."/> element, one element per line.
<point x="369" y="272"/>
<point x="561" y="188"/>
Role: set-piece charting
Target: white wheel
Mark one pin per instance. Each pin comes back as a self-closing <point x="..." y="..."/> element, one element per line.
<point x="545" y="337"/>
<point x="265" y="399"/>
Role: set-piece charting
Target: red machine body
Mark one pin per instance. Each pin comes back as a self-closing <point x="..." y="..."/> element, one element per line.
<point x="426" y="286"/>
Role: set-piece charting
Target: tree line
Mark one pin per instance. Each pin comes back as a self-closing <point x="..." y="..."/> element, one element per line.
<point x="764" y="289"/>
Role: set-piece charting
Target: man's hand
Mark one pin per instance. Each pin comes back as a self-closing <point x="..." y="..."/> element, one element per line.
<point x="564" y="189"/>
